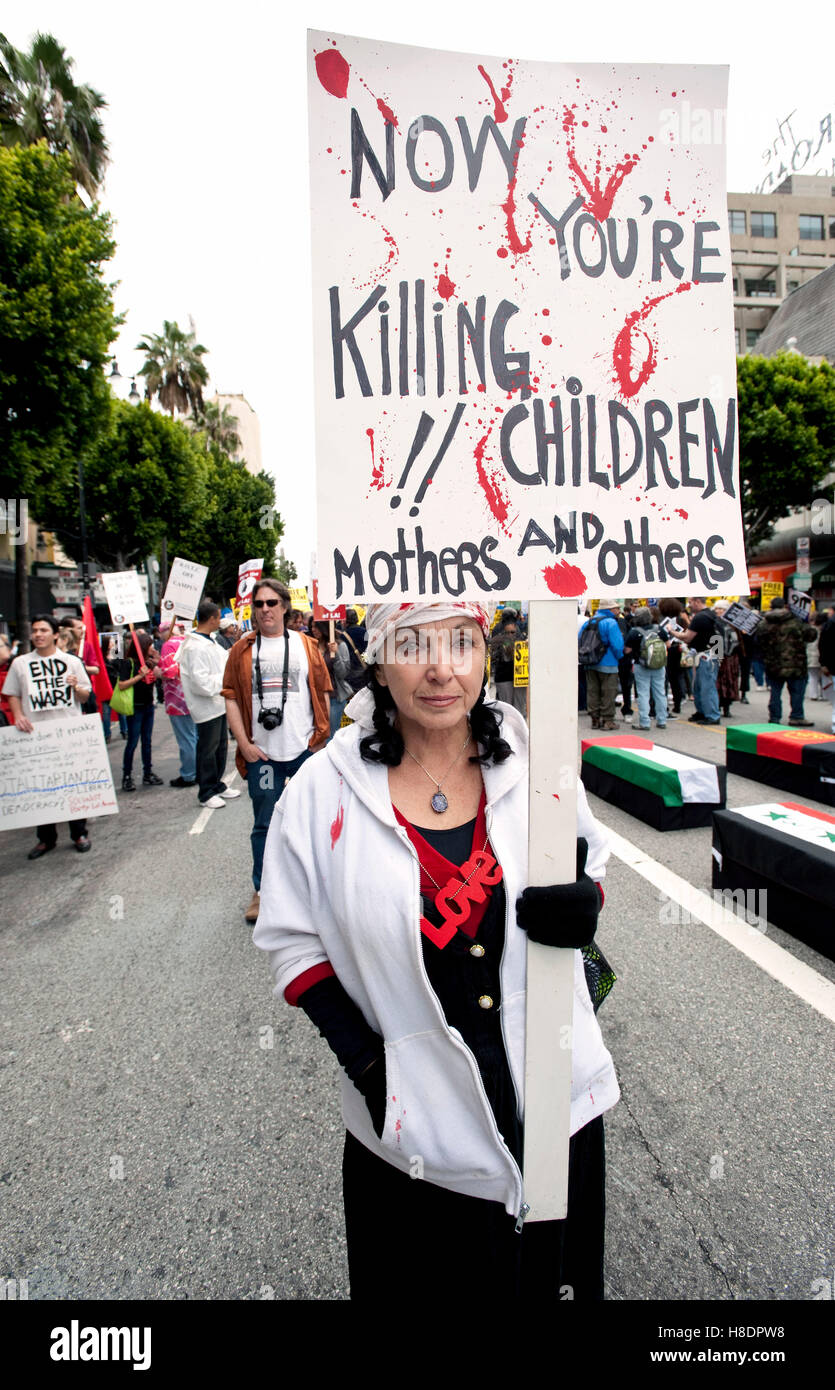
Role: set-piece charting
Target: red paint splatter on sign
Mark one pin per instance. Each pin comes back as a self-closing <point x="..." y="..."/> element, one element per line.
<point x="517" y="246"/>
<point x="679" y="511"/>
<point x="598" y="199"/>
<point x="622" y="355"/>
<point x="446" y="287"/>
<point x="333" y="71"/>
<point x="387" y="113"/>
<point x="499" y="113"/>
<point x="564" y="579"/>
<point x="497" y="501"/>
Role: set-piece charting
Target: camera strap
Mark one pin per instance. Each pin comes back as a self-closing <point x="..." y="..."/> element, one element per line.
<point x="259" y="688"/>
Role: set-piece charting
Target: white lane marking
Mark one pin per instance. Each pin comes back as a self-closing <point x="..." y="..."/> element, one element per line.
<point x="775" y="960"/>
<point x="204" y="816"/>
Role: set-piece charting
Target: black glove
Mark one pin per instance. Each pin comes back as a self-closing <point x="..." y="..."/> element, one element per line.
<point x="564" y="914"/>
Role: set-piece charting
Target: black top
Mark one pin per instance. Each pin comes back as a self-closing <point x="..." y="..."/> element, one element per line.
<point x="703" y="624"/>
<point x="143" y="691"/>
<point x="460" y="978"/>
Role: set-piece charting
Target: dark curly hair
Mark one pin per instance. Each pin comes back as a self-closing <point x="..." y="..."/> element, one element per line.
<point x="386" y="744"/>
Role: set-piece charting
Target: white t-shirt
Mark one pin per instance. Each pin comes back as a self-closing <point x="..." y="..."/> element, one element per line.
<point x="294" y="734"/>
<point x="40" y="683"/>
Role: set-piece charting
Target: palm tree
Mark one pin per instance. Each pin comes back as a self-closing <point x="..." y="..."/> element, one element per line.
<point x="173" y="370"/>
<point x="221" y="426"/>
<point x="40" y="101"/>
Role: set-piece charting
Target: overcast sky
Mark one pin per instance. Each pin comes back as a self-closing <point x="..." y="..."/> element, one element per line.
<point x="208" y="181"/>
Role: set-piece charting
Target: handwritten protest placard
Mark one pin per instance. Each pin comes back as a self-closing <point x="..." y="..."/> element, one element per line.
<point x="124" y="597"/>
<point x="183" y="590"/>
<point x="59" y="772"/>
<point x="525" y="368"/>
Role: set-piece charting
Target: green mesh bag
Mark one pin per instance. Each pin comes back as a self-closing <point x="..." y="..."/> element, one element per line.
<point x="599" y="974"/>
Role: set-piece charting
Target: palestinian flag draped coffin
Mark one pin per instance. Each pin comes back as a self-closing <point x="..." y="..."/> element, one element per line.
<point x="786" y="852"/>
<point x="801" y="761"/>
<point x="668" y="790"/>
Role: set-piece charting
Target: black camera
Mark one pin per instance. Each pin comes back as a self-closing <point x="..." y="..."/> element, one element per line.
<point x="270" y="719"/>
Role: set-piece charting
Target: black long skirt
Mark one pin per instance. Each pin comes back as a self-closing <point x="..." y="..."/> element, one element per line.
<point x="405" y="1233"/>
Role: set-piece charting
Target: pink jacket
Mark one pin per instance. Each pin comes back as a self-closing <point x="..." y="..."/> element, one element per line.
<point x="175" y="700"/>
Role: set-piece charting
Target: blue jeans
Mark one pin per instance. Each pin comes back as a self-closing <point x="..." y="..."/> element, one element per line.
<point x="265" y="781"/>
<point x="185" y="732"/>
<point x="140" y="725"/>
<point x="705" y="696"/>
<point x="337" y="708"/>
<point x="797" y="689"/>
<point x="651" y="682"/>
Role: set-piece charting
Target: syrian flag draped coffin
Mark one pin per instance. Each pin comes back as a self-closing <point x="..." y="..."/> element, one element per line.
<point x="801" y="761"/>
<point x="667" y="789"/>
<point x="787" y="853"/>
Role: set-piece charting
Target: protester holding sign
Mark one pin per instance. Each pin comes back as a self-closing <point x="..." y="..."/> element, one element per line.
<point x="182" y="724"/>
<point x="202" y="670"/>
<point x="702" y="635"/>
<point x="140" y="677"/>
<point x="276" y="687"/>
<point x="47" y="685"/>
<point x="431" y="1040"/>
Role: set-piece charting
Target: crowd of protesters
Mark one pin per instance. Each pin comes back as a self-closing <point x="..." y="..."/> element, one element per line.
<point x="681" y="650"/>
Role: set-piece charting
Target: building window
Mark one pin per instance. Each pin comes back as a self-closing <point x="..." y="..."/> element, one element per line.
<point x="764" y="224"/>
<point x="737" y="342"/>
<point x="760" y="289"/>
<point x="792" y="285"/>
<point x="736" y="284"/>
<point x="810" y="228"/>
<point x="737" y="221"/>
<point x="752" y="337"/>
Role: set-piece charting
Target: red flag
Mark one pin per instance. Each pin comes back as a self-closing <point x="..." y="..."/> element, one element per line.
<point x="102" y="688"/>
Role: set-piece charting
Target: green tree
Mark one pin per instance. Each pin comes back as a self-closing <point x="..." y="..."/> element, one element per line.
<point x="57" y="321"/>
<point x="786" y="437"/>
<point x="173" y="370"/>
<point x="220" y="424"/>
<point x="39" y="100"/>
<point x="285" y="570"/>
<point x="146" y="477"/>
<point x="241" y="524"/>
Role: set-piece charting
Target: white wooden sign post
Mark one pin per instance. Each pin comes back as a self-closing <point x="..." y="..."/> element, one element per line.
<point x="525" y="383"/>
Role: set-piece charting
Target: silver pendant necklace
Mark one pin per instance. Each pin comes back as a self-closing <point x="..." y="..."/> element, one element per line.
<point x="439" y="802"/>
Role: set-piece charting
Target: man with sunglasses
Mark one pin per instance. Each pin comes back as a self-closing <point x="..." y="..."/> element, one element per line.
<point x="277" y="691"/>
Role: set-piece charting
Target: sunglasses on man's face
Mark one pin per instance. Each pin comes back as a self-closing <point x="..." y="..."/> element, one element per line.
<point x="265" y="603"/>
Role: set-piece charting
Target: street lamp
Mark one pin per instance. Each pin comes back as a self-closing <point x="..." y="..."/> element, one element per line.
<point x="134" y="394"/>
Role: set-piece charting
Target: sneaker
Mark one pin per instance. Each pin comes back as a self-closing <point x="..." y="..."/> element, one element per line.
<point x="151" y="780"/>
<point x="181" y="782"/>
<point x="710" y="721"/>
<point x="696" y="719"/>
<point x="802" y="723"/>
<point x="216" y="803"/>
<point x="637" y="725"/>
<point x="82" y="844"/>
<point x="128" y="784"/>
<point x="673" y="714"/>
<point x="610" y="724"/>
<point x="251" y="914"/>
<point x="230" y="793"/>
<point x="661" y="726"/>
<point x="745" y="700"/>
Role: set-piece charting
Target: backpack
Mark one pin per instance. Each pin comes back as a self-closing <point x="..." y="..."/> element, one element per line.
<point x="653" y="654"/>
<point x="357" y="673"/>
<point x="591" y="647"/>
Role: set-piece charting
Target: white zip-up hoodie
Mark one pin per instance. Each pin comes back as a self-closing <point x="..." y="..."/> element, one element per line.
<point x="202" y="665"/>
<point x="341" y="884"/>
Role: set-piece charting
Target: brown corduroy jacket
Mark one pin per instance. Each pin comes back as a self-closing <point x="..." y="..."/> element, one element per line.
<point x="237" y="685"/>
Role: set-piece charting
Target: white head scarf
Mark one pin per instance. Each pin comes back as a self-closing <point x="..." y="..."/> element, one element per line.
<point x="382" y="620"/>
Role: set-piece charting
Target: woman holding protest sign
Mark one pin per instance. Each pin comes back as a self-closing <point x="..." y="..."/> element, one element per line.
<point x="140" y="678"/>
<point x="395" y="913"/>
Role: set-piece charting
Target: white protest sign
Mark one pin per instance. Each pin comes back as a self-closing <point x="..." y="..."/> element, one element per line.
<point x="183" y="590"/>
<point x="59" y="772"/>
<point x="524" y="354"/>
<point x="124" y="597"/>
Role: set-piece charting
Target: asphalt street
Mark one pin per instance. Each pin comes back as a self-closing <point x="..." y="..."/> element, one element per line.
<point x="173" y="1132"/>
